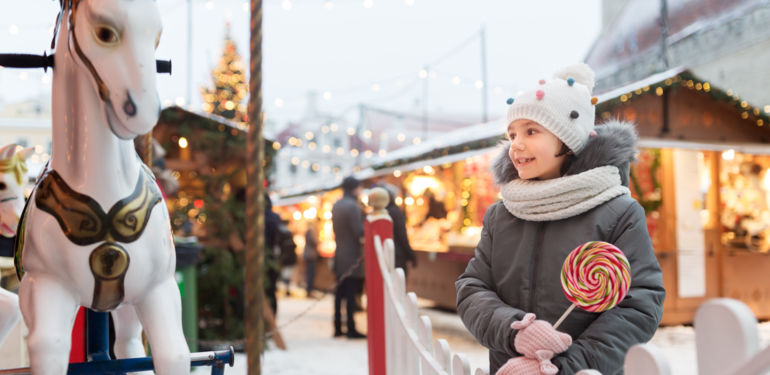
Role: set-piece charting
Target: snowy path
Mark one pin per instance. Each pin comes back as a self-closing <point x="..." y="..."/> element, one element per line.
<point x="313" y="351"/>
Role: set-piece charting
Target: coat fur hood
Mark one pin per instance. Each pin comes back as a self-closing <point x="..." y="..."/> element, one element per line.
<point x="614" y="144"/>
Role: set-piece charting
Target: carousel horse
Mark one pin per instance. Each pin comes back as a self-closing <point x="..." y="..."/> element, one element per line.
<point x="96" y="231"/>
<point x="13" y="171"/>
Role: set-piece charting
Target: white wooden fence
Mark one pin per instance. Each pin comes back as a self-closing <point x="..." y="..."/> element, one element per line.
<point x="726" y="343"/>
<point x="410" y="348"/>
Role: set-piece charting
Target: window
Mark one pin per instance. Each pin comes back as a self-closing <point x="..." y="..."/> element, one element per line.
<point x="744" y="195"/>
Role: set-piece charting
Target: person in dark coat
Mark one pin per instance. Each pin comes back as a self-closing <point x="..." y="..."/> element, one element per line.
<point x="563" y="182"/>
<point x="404" y="251"/>
<point x="310" y="254"/>
<point x="348" y="225"/>
<point x="272" y="272"/>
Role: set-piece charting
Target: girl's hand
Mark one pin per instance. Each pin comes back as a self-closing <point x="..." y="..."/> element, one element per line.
<point x="537" y="335"/>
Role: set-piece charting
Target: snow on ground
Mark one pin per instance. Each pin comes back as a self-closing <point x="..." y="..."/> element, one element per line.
<point x="313" y="351"/>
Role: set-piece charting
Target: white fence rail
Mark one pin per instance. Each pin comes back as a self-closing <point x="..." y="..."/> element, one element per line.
<point x="410" y="348"/>
<point x="726" y="343"/>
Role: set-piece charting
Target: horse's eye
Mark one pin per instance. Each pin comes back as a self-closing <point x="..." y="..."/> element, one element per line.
<point x="2" y="185"/>
<point x="106" y="35"/>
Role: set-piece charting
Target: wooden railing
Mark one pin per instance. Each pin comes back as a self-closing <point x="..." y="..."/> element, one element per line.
<point x="726" y="343"/>
<point x="410" y="348"/>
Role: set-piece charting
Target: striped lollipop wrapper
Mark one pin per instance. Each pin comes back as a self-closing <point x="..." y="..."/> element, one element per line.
<point x="595" y="276"/>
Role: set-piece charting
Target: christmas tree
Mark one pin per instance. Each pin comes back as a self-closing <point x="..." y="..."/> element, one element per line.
<point x="225" y="98"/>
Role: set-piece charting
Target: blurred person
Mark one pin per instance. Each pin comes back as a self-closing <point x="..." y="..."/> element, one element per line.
<point x="348" y="225"/>
<point x="287" y="253"/>
<point x="403" y="250"/>
<point x="436" y="208"/>
<point x="272" y="222"/>
<point x="311" y="255"/>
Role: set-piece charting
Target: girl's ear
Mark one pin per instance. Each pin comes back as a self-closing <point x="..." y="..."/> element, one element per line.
<point x="564" y="151"/>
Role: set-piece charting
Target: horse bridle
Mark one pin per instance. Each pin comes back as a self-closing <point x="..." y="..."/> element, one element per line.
<point x="14" y="60"/>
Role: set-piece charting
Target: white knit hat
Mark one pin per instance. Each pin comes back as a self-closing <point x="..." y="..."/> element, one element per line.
<point x="563" y="105"/>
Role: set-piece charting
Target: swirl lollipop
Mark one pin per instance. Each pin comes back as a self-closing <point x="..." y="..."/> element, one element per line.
<point x="595" y="276"/>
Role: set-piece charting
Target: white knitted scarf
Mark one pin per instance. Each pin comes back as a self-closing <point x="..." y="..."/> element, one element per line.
<point x="563" y="197"/>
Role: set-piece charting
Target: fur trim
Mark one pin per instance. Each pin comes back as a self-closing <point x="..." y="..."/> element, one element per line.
<point x="502" y="167"/>
<point x="614" y="144"/>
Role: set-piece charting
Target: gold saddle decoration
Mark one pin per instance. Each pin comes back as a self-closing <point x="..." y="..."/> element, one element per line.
<point x="84" y="222"/>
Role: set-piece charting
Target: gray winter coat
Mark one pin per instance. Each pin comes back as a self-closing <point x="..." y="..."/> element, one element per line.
<point x="348" y="225"/>
<point x="517" y="265"/>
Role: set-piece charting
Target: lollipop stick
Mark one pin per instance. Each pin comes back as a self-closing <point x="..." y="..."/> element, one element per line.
<point x="563" y="316"/>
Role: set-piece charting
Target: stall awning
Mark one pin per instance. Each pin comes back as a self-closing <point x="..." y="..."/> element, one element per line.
<point x="175" y="114"/>
<point x="746" y="148"/>
<point x="450" y="147"/>
<point x="447" y="148"/>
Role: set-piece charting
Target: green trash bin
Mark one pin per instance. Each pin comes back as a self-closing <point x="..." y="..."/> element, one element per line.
<point x="186" y="279"/>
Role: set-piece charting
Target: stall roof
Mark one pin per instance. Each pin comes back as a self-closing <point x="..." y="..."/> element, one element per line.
<point x="455" y="145"/>
<point x="471" y="138"/>
<point x="680" y="77"/>
<point x="175" y="114"/>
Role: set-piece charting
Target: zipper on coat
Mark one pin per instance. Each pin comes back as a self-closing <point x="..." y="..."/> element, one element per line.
<point x="534" y="265"/>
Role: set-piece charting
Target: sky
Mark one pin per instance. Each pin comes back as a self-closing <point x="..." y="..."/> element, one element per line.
<point x="347" y="51"/>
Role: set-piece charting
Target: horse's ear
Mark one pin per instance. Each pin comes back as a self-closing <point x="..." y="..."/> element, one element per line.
<point x="6" y="152"/>
<point x="25" y="153"/>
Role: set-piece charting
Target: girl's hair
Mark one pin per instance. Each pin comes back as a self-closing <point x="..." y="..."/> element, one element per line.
<point x="569" y="157"/>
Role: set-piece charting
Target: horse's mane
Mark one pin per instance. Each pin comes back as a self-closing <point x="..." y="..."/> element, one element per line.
<point x="64" y="5"/>
<point x="16" y="165"/>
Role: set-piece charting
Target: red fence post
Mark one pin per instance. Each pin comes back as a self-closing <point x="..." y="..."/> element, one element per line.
<point x="378" y="223"/>
<point x="78" y="348"/>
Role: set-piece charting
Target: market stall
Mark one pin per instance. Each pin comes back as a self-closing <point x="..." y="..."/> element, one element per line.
<point x="702" y="178"/>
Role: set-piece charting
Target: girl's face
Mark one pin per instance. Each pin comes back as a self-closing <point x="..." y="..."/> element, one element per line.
<point x="533" y="150"/>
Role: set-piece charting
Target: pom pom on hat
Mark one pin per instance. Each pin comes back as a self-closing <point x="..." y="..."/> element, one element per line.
<point x="580" y="73"/>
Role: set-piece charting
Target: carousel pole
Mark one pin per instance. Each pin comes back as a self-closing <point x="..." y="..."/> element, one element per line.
<point x="255" y="202"/>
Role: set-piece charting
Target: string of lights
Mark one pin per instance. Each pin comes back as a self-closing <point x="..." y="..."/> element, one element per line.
<point x="392" y="87"/>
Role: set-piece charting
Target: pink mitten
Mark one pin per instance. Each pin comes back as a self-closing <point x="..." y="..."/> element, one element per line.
<point x="520" y="366"/>
<point x="535" y="335"/>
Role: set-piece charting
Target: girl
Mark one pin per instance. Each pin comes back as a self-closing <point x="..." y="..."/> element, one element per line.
<point x="563" y="182"/>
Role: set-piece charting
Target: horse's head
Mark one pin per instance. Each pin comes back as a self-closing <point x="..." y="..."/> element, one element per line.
<point x="13" y="171"/>
<point x="114" y="42"/>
